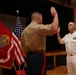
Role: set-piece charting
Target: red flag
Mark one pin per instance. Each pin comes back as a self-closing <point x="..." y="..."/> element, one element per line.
<point x="6" y="47"/>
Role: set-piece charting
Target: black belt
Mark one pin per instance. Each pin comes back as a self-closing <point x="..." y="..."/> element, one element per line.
<point x="36" y="51"/>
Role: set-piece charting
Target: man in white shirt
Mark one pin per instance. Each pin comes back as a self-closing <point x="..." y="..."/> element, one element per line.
<point x="70" y="44"/>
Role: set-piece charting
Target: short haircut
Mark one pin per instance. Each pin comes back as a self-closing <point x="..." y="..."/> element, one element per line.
<point x="35" y="14"/>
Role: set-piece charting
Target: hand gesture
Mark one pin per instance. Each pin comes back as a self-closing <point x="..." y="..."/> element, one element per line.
<point x="53" y="11"/>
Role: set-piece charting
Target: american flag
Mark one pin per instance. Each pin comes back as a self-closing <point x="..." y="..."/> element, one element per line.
<point x="18" y="27"/>
<point x="17" y="41"/>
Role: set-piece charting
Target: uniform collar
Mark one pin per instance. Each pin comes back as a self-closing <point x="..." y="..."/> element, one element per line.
<point x="72" y="33"/>
<point x="34" y="22"/>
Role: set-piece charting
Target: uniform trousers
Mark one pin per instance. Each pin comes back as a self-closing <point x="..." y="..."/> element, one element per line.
<point x="71" y="64"/>
<point x="36" y="63"/>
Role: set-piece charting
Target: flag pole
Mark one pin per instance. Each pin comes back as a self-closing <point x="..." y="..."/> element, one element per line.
<point x="17" y="13"/>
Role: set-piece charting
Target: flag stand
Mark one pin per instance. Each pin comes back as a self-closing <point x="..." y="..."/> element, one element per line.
<point x="20" y="71"/>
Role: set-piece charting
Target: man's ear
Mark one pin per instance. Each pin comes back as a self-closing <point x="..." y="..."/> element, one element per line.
<point x="75" y="27"/>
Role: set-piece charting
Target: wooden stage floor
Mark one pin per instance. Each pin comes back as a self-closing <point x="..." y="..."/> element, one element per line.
<point x="60" y="70"/>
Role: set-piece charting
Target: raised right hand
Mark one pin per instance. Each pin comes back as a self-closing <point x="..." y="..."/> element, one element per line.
<point x="53" y="11"/>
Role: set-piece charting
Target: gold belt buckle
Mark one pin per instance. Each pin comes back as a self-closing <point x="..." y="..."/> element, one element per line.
<point x="70" y="54"/>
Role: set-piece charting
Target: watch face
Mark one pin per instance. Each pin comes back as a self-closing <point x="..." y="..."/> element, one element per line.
<point x="62" y="1"/>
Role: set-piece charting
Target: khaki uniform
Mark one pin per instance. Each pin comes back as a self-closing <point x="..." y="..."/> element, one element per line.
<point x="34" y="36"/>
<point x="70" y="44"/>
<point x="34" y="42"/>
